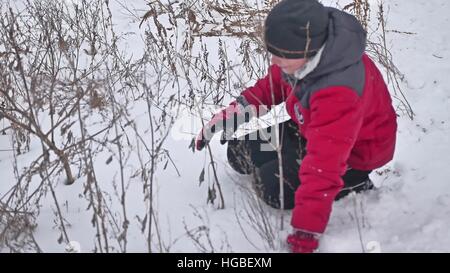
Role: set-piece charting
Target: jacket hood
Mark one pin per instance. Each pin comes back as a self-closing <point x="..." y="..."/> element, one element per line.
<point x="345" y="45"/>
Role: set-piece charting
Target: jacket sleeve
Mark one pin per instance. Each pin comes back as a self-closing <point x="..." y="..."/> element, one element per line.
<point x="336" y="118"/>
<point x="268" y="91"/>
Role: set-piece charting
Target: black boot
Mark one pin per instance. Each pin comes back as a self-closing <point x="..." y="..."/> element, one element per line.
<point x="355" y="181"/>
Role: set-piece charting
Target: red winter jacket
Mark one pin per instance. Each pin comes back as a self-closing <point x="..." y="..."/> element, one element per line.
<point x="343" y="109"/>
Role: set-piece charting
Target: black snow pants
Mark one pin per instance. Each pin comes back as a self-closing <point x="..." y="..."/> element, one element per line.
<point x="254" y="154"/>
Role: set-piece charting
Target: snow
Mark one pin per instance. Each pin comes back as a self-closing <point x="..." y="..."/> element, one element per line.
<point x="408" y="212"/>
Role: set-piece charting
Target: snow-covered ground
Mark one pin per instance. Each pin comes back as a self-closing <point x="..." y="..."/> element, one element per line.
<point x="408" y="212"/>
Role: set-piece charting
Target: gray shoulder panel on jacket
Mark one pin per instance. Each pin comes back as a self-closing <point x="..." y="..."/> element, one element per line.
<point x="352" y="77"/>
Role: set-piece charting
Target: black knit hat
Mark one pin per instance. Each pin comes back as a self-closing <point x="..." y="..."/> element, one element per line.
<point x="289" y="24"/>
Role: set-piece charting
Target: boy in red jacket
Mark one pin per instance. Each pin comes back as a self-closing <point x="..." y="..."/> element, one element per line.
<point x="342" y="122"/>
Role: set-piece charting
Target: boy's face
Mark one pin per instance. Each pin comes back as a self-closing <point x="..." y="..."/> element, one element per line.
<point x="289" y="66"/>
